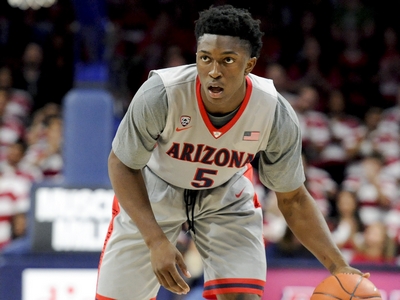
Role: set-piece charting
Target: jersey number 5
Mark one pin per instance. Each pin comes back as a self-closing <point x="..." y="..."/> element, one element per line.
<point x="201" y="180"/>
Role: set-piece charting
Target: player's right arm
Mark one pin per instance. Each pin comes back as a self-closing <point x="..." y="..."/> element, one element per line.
<point x="131" y="149"/>
<point x="131" y="192"/>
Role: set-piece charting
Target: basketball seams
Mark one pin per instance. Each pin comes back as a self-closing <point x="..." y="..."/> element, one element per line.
<point x="355" y="288"/>
<point x="345" y="286"/>
<point x="329" y="295"/>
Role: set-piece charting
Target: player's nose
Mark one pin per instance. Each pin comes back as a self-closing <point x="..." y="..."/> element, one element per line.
<point x="215" y="70"/>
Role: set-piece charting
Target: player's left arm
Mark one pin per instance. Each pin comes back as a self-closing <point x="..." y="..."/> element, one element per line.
<point x="308" y="224"/>
<point x="281" y="170"/>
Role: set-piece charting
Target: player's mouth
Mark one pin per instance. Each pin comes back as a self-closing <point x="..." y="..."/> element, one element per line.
<point x="215" y="91"/>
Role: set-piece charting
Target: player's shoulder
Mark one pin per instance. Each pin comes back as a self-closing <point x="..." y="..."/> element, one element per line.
<point x="263" y="85"/>
<point x="176" y="75"/>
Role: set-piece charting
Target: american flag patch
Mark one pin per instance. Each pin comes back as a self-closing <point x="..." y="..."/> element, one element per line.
<point x="251" y="136"/>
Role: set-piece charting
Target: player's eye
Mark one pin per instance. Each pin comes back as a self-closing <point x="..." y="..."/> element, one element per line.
<point x="229" y="60"/>
<point x="204" y="58"/>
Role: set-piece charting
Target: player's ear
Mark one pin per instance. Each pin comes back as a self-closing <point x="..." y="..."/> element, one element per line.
<point x="250" y="65"/>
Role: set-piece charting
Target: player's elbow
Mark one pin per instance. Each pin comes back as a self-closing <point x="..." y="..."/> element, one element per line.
<point x="288" y="202"/>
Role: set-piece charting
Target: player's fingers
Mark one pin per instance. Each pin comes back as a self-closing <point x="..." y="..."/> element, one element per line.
<point x="174" y="286"/>
<point x="166" y="283"/>
<point x="366" y="275"/>
<point x="161" y="280"/>
<point x="183" y="286"/>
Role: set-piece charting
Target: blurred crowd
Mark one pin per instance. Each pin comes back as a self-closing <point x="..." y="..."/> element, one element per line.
<point x="337" y="62"/>
<point x="36" y="71"/>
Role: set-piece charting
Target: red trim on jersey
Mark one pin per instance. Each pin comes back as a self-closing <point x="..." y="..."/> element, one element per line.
<point x="99" y="297"/>
<point x="232" y="122"/>
<point x="249" y="175"/>
<point x="115" y="212"/>
<point x="233" y="285"/>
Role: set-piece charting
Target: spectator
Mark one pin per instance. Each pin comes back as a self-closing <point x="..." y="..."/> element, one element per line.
<point x="320" y="185"/>
<point x="15" y="185"/>
<point x="375" y="190"/>
<point x="11" y="128"/>
<point x="288" y="247"/>
<point x="31" y="70"/>
<point x="391" y="116"/>
<point x="274" y="222"/>
<point x="313" y="123"/>
<point x="373" y="138"/>
<point x="45" y="148"/>
<point x="278" y="237"/>
<point x="280" y="241"/>
<point x="15" y="165"/>
<point x="375" y="246"/>
<point x="20" y="101"/>
<point x="344" y="129"/>
<point x="388" y="132"/>
<point x="392" y="222"/>
<point x="346" y="224"/>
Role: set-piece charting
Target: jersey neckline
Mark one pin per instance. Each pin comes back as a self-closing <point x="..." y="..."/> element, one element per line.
<point x="217" y="133"/>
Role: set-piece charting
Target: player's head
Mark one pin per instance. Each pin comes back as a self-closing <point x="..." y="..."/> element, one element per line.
<point x="230" y="21"/>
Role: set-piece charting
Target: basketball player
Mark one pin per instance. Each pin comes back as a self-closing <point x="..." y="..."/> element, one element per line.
<point x="182" y="153"/>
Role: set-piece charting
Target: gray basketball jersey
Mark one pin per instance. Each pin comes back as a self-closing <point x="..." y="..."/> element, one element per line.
<point x="191" y="153"/>
<point x="167" y="128"/>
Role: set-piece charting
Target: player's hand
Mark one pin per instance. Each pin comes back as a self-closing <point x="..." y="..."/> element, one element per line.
<point x="351" y="270"/>
<point x="164" y="259"/>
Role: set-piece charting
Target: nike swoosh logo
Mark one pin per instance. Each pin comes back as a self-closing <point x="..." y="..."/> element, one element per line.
<point x="181" y="129"/>
<point x="239" y="194"/>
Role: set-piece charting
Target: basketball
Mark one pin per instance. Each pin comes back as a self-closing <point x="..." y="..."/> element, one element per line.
<point x="345" y="287"/>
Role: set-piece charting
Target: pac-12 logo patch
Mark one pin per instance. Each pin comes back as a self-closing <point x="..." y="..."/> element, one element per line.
<point x="185" y="120"/>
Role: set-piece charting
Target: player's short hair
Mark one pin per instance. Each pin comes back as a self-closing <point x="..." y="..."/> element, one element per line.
<point x="231" y="21"/>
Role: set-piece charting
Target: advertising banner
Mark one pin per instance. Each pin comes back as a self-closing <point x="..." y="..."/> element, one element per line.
<point x="58" y="284"/>
<point x="70" y="219"/>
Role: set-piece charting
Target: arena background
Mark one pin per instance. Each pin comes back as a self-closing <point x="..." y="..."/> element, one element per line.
<point x="68" y="217"/>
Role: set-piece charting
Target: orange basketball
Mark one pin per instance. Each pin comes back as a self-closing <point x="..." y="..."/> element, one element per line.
<point x="346" y="287"/>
